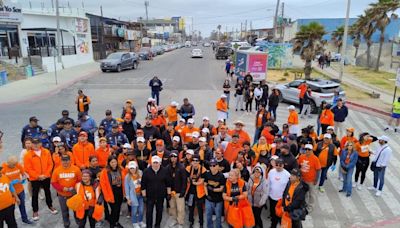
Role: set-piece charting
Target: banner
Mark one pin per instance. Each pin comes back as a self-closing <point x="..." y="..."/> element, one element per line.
<point x="81" y="25"/>
<point x="241" y="64"/>
<point x="10" y="11"/>
<point x="258" y="66"/>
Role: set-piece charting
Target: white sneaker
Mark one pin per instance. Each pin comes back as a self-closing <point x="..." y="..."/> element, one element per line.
<point x="35" y="216"/>
<point x="378" y="193"/>
<point x="355" y="184"/>
<point x="136" y="225"/>
<point x="142" y="224"/>
<point x="53" y="210"/>
<point x="372" y="188"/>
<point x="341" y="179"/>
<point x="359" y="187"/>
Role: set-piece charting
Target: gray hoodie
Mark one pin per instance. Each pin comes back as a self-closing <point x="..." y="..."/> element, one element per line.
<point x="260" y="196"/>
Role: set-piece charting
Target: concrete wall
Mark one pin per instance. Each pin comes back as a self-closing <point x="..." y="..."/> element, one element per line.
<point x="67" y="61"/>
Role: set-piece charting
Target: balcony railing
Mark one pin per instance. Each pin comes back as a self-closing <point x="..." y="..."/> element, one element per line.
<point x="48" y="51"/>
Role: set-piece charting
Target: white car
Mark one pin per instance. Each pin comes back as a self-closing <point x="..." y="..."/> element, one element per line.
<point x="197" y="53"/>
<point x="322" y="89"/>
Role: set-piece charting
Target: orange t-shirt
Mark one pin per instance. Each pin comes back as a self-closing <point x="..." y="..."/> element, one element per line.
<point x="363" y="149"/>
<point x="323" y="156"/>
<point x="232" y="151"/>
<point x="186" y="134"/>
<point x="345" y="139"/>
<point x="309" y="167"/>
<point x="179" y="129"/>
<point x="57" y="159"/>
<point x="82" y="152"/>
<point x="327" y="117"/>
<point x="89" y="196"/>
<point x="172" y="114"/>
<point x="293" y="118"/>
<point x="66" y="177"/>
<point x="14" y="174"/>
<point x="243" y="136"/>
<point x="137" y="180"/>
<point x="221" y="105"/>
<point x="81" y="105"/>
<point x="6" y="198"/>
<point x="268" y="136"/>
<point x="303" y="89"/>
<point x="102" y="156"/>
<point x="256" y="182"/>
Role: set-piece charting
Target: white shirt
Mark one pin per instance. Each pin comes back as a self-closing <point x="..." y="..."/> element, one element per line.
<point x="277" y="182"/>
<point x="258" y="92"/>
<point x="384" y="158"/>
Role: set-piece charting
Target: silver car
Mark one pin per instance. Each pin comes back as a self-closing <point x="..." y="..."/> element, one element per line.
<point x="117" y="61"/>
<point x="322" y="89"/>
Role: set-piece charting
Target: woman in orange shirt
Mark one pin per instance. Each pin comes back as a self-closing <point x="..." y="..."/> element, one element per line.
<point x="103" y="152"/>
<point x="8" y="198"/>
<point x="293" y="121"/>
<point x="327" y="118"/>
<point x="363" y="150"/>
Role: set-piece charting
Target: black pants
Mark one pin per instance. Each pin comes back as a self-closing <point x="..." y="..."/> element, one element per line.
<point x="158" y="203"/>
<point x="324" y="127"/>
<point x="296" y="224"/>
<point x="274" y="219"/>
<point x="301" y="104"/>
<point x="249" y="105"/>
<point x="7" y="215"/>
<point x="361" y="168"/>
<point x="116" y="206"/>
<point x="258" y="102"/>
<point x="199" y="204"/>
<point x="257" y="216"/>
<point x="88" y="214"/>
<point x="36" y="185"/>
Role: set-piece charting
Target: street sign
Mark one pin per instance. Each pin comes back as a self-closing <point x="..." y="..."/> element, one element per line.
<point x="398" y="77"/>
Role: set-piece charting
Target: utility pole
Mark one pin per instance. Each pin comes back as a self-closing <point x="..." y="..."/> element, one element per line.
<point x="146" y="4"/>
<point x="245" y="30"/>
<point x="276" y="19"/>
<point x="101" y="38"/>
<point x="241" y="30"/>
<point x="58" y="32"/>
<point x="282" y="23"/>
<point x="192" y="28"/>
<point x="346" y="30"/>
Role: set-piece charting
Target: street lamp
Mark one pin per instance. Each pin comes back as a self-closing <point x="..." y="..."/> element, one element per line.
<point x="346" y="30"/>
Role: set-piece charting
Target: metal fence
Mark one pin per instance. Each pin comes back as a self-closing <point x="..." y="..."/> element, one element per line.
<point x="48" y="51"/>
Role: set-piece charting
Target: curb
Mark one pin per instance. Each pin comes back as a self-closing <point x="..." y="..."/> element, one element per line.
<point x="51" y="92"/>
<point x="368" y="108"/>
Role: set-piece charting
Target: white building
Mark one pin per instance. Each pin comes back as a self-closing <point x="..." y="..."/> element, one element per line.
<point x="38" y="38"/>
<point x="10" y="28"/>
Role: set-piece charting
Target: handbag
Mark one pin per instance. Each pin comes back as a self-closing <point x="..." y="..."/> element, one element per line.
<point x="373" y="164"/>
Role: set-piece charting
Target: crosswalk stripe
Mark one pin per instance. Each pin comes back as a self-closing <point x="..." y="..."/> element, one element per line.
<point x="326" y="207"/>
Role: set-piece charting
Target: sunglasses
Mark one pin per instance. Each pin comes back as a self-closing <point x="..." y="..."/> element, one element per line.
<point x="173" y="156"/>
<point x="195" y="160"/>
<point x="213" y="165"/>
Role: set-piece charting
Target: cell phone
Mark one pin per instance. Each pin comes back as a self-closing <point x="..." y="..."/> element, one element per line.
<point x="1" y="135"/>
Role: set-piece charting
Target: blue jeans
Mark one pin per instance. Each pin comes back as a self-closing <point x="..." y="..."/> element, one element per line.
<point x="272" y="110"/>
<point x="22" y="209"/>
<point x="379" y="175"/>
<point x="324" y="172"/>
<point x="137" y="211"/>
<point x="212" y="208"/>
<point x="257" y="135"/>
<point x="156" y="95"/>
<point x="347" y="181"/>
<point x="318" y="126"/>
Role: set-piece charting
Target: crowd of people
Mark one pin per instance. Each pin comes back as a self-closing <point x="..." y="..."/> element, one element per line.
<point x="171" y="161"/>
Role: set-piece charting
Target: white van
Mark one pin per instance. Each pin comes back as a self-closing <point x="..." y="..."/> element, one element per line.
<point x="188" y="44"/>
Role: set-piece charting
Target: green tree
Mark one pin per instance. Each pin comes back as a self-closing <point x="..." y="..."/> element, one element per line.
<point x="355" y="34"/>
<point x="380" y="16"/>
<point x="308" y="43"/>
<point x="337" y="37"/>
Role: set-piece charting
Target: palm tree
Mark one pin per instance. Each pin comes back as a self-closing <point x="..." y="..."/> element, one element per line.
<point x="355" y="34"/>
<point x="219" y="31"/>
<point x="308" y="42"/>
<point x="380" y="16"/>
<point x="366" y="27"/>
<point x="337" y="37"/>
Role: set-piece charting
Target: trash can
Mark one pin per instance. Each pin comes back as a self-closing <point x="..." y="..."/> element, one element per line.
<point x="28" y="71"/>
<point x="3" y="77"/>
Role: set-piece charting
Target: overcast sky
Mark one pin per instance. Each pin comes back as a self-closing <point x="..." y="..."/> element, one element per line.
<point x="207" y="14"/>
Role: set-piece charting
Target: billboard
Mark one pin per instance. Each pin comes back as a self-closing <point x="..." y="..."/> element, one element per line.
<point x="258" y="64"/>
<point x="241" y="64"/>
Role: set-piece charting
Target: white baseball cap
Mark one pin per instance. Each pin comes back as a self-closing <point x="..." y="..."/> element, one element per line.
<point x="205" y="130"/>
<point x="190" y="152"/>
<point x="191" y="121"/>
<point x="308" y="146"/>
<point x="221" y="120"/>
<point x="195" y="134"/>
<point x="132" y="165"/>
<point x="155" y="158"/>
<point x="203" y="139"/>
<point x="223" y="96"/>
<point x="176" y="138"/>
<point x="140" y="139"/>
<point x="174" y="103"/>
<point x="291" y="107"/>
<point x="328" y="136"/>
<point x="330" y="128"/>
<point x="56" y="139"/>
<point x="182" y="120"/>
<point x="127" y="145"/>
<point x="384" y="138"/>
<point x="206" y="118"/>
<point x="239" y="122"/>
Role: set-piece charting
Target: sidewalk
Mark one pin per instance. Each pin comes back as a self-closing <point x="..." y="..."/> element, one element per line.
<point x="44" y="85"/>
<point x="350" y="80"/>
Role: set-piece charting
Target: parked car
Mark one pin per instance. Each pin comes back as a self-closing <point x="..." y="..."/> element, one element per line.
<point x="188" y="44"/>
<point x="194" y="43"/>
<point x="206" y="44"/>
<point x="145" y="53"/>
<point x="222" y="52"/>
<point x="322" y="89"/>
<point x="135" y="59"/>
<point x="117" y="61"/>
<point x="197" y="53"/>
<point x="159" y="50"/>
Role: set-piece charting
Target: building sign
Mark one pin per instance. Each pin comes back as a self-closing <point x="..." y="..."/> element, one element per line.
<point x="258" y="66"/>
<point x="81" y="25"/>
<point x="241" y="63"/>
<point x="10" y="11"/>
<point x="181" y="24"/>
<point x="82" y="45"/>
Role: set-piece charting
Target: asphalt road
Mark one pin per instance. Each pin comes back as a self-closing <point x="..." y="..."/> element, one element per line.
<point x="201" y="81"/>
